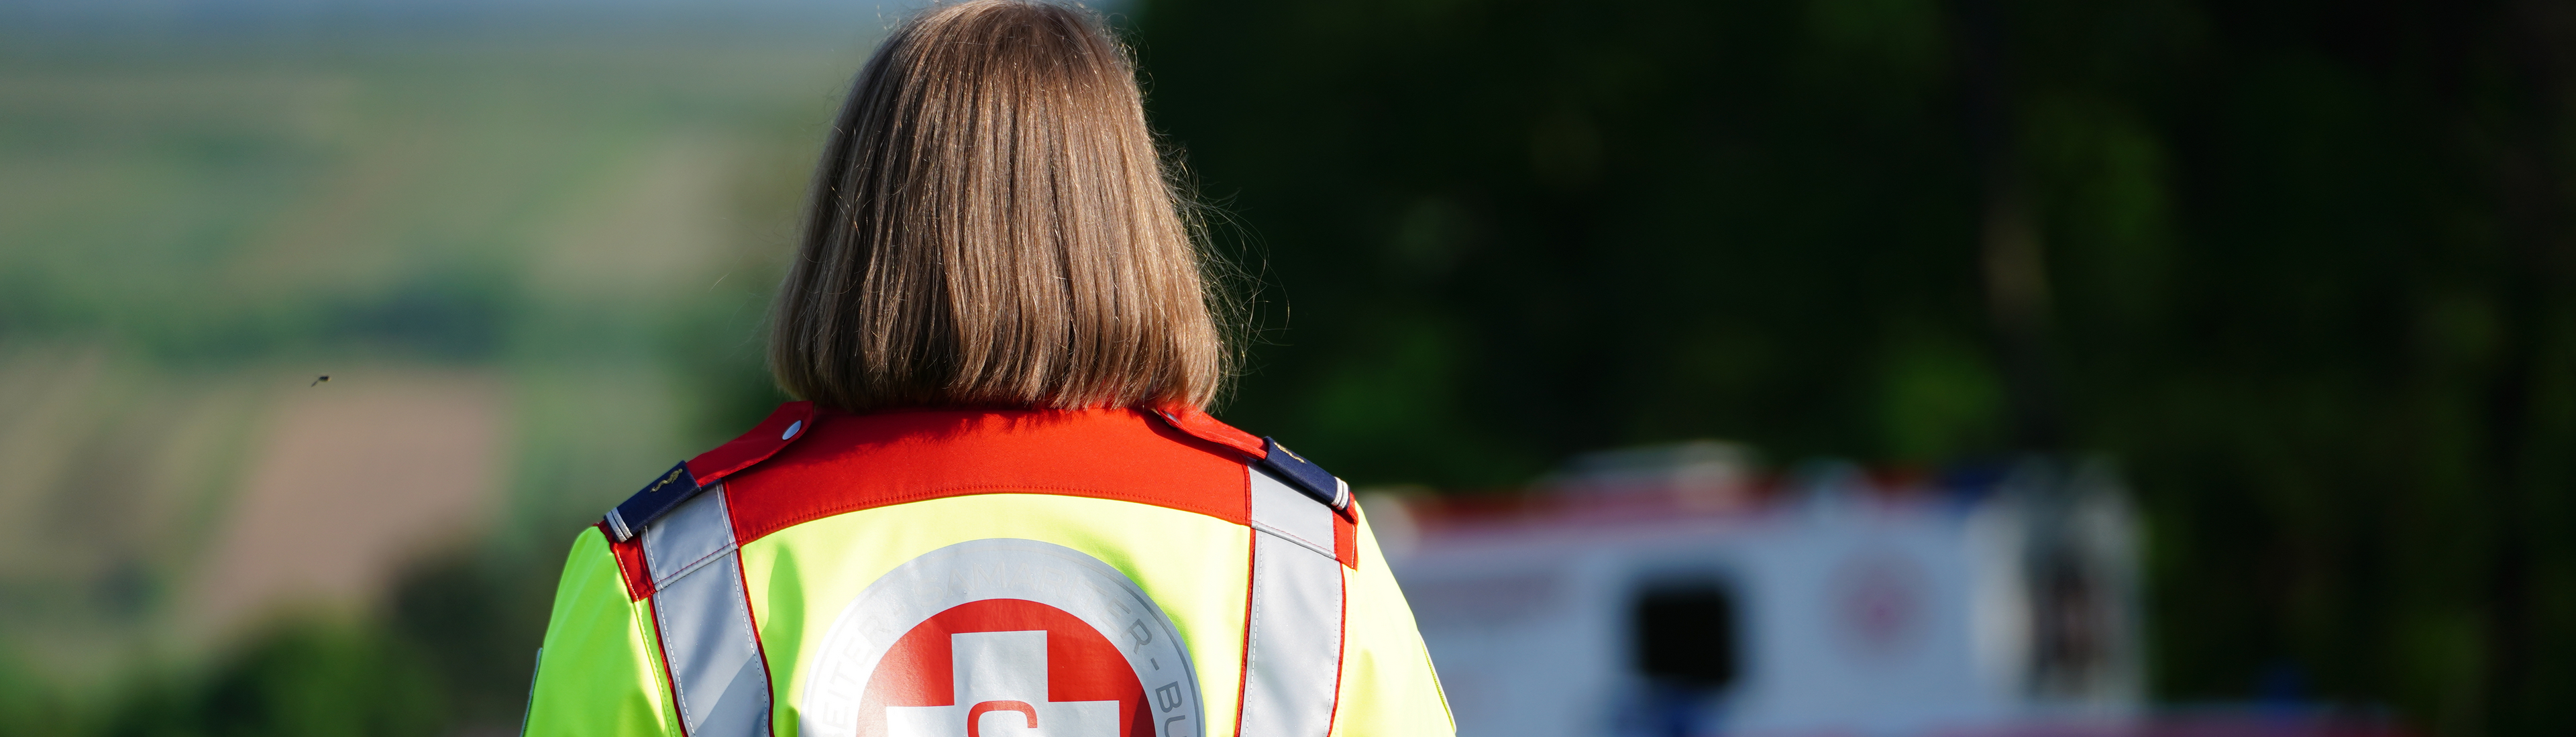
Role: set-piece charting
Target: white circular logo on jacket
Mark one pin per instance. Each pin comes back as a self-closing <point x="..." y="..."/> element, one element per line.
<point x="1002" y="637"/>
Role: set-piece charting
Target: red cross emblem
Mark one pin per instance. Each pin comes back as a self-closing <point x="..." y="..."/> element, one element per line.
<point x="1003" y="668"/>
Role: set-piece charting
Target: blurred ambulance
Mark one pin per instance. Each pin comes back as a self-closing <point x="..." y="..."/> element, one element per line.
<point x="1669" y="592"/>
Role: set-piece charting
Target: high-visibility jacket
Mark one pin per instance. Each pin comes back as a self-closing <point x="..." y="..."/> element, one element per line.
<point x="985" y="573"/>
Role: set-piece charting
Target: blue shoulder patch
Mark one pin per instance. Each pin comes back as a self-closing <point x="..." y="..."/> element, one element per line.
<point x="630" y="517"/>
<point x="1312" y="479"/>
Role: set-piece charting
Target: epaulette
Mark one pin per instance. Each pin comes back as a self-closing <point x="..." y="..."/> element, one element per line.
<point x="1268" y="455"/>
<point x="784" y="426"/>
<point x="1305" y="475"/>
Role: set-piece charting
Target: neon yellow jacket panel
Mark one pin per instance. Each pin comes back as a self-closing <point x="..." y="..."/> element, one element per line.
<point x="985" y="574"/>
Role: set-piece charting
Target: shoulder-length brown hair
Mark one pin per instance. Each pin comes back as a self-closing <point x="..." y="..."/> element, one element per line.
<point x="991" y="224"/>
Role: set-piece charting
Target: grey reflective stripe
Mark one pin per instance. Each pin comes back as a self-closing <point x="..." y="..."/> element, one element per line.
<point x="1293" y="643"/>
<point x="1288" y="513"/>
<point x="705" y="620"/>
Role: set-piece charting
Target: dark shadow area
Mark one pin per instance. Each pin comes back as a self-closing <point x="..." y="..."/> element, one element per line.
<point x="1686" y="636"/>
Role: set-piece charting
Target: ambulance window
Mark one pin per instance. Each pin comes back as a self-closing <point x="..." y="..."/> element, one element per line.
<point x="1686" y="635"/>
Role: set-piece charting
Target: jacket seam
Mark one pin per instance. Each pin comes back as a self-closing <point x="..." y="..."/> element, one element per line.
<point x="757" y="533"/>
<point x="1300" y="540"/>
<point x="1251" y="616"/>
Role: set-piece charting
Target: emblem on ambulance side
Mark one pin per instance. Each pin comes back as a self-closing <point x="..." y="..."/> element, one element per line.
<point x="1001" y="637"/>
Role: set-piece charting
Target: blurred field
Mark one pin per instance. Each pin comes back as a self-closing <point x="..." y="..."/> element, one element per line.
<point x="531" y="267"/>
<point x="349" y="485"/>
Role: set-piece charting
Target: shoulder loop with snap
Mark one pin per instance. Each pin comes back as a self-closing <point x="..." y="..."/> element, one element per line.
<point x="785" y="425"/>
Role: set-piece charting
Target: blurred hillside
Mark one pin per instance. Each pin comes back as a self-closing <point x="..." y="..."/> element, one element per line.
<point x="529" y="262"/>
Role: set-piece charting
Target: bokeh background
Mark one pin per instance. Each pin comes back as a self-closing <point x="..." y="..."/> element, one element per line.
<point x="2306" y="271"/>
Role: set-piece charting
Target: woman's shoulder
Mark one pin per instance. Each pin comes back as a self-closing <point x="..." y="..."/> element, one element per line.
<point x="805" y="463"/>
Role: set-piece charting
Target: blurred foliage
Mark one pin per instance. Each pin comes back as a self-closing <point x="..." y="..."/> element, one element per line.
<point x="2308" y="270"/>
<point x="453" y="651"/>
<point x="307" y="676"/>
<point x="474" y="622"/>
<point x="304" y="680"/>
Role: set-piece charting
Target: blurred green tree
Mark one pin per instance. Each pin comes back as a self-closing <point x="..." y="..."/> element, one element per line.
<point x="2307" y="268"/>
<point x="304" y="677"/>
